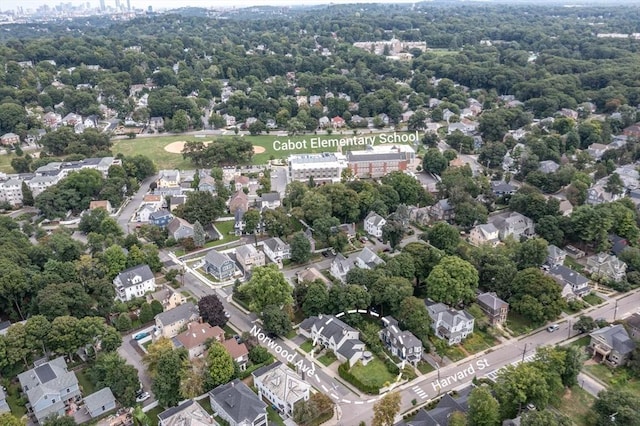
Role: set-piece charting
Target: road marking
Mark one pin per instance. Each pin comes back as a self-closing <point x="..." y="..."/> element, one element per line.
<point x="333" y="395"/>
<point x="420" y="392"/>
<point x="346" y="401"/>
<point x="324" y="388"/>
<point x="359" y="402"/>
<point x="371" y="400"/>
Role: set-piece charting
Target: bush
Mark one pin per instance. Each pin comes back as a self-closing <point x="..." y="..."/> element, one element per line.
<point x="343" y="371"/>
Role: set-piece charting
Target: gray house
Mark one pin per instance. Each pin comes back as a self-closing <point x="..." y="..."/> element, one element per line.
<point x="219" y="265"/>
<point x="334" y="334"/>
<point x="402" y="344"/>
<point x="179" y="228"/>
<point x="100" y="402"/>
<point x="611" y="345"/>
<point x="578" y="282"/>
<point x="189" y="413"/>
<point x="50" y="389"/>
<point x="238" y="405"/>
<point x="449" y="324"/>
<point x="513" y="224"/>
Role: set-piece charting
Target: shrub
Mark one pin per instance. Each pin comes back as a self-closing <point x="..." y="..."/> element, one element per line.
<point x="343" y="371"/>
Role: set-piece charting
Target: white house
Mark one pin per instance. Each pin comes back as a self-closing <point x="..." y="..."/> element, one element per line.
<point x="334" y="334"/>
<point x="276" y="250"/>
<point x="373" y="224"/>
<point x="281" y="386"/>
<point x="134" y="282"/>
<point x="449" y="324"/>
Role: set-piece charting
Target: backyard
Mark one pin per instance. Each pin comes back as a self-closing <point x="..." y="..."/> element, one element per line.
<point x="478" y="341"/>
<point x="615" y="377"/>
<point x="518" y="324"/>
<point x="576" y="403"/>
<point x="374" y="374"/>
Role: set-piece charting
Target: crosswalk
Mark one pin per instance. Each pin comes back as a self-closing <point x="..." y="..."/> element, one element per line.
<point x="493" y="375"/>
<point x="420" y="392"/>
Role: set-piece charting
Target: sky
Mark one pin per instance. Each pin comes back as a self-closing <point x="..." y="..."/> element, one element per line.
<point x="159" y="4"/>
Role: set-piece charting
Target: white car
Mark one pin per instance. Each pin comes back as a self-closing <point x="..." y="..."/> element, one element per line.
<point x="143" y="397"/>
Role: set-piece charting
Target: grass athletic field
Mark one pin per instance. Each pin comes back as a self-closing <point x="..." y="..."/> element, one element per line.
<point x="272" y="146"/>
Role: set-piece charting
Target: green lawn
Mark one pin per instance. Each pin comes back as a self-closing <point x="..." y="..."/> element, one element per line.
<point x="307" y="346"/>
<point x="274" y="417"/>
<point x="85" y="383"/>
<point x="454" y="353"/>
<point x="518" y="324"/>
<point x="327" y="359"/>
<point x="571" y="263"/>
<point x="16" y="403"/>
<point x="5" y="163"/>
<point x="424" y="367"/>
<point x="576" y="404"/>
<point x="153" y="147"/>
<point x="619" y="377"/>
<point x="225" y="228"/>
<point x="153" y="415"/>
<point x="582" y="342"/>
<point x="478" y="341"/>
<point x="592" y="299"/>
<point x="375" y="373"/>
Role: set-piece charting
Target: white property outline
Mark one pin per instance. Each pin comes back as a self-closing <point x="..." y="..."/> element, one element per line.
<point x="346" y="401"/>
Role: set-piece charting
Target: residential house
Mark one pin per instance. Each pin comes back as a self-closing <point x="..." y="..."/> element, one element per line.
<point x="50" y="389"/>
<point x="373" y="224"/>
<point x="236" y="404"/>
<point x="176" y="201"/>
<point x="618" y="244"/>
<point x="574" y="252"/>
<point x="281" y="386"/>
<point x="71" y="119"/>
<point x="134" y="282"/>
<point x="340" y="267"/>
<point x="269" y="200"/>
<point x="156" y="122"/>
<point x="189" y="413"/>
<point x="179" y="229"/>
<point x="337" y="122"/>
<point x="442" y="210"/>
<point x="229" y="120"/>
<point x="484" y="234"/>
<point x="160" y="218"/>
<point x="249" y="257"/>
<point x="9" y="139"/>
<point x="449" y="324"/>
<point x="632" y="323"/>
<point x="144" y="212"/>
<point x="598" y="195"/>
<point x="611" y="345"/>
<point x="169" y="323"/>
<point x="447" y="405"/>
<point x="207" y="184"/>
<point x="335" y="335"/>
<point x="100" y="402"/>
<point x="4" y="407"/>
<point x="565" y="207"/>
<point x="168" y="178"/>
<point x="513" y="224"/>
<point x="348" y="229"/>
<point x="402" y="344"/>
<point x="578" y="282"/>
<point x="548" y="166"/>
<point x="238" y="206"/>
<point x="495" y="308"/>
<point x="323" y="122"/>
<point x="366" y="259"/>
<point x="238" y="351"/>
<point x="219" y="265"/>
<point x="555" y="255"/>
<point x="168" y="298"/>
<point x="597" y="150"/>
<point x="606" y="266"/>
<point x="194" y="338"/>
<point x="276" y="250"/>
<point x="101" y="204"/>
<point x="311" y="274"/>
<point x="419" y="214"/>
<point x="501" y="188"/>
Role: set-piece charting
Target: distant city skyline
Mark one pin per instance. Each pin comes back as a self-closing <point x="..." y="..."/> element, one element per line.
<point x="172" y="4"/>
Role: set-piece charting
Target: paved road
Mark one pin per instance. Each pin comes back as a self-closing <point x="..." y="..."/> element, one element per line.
<point x="133" y="355"/>
<point x="129" y="210"/>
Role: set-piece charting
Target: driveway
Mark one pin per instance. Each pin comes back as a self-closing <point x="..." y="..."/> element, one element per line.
<point x="130" y="351"/>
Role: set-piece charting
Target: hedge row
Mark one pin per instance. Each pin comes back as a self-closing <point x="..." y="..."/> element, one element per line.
<point x="343" y="371"/>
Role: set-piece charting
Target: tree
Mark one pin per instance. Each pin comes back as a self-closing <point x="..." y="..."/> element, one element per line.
<point x="305" y="412"/>
<point x="585" y="324"/>
<point x="6" y="419"/>
<point x="201" y="206"/>
<point x="220" y="365"/>
<point x="535" y="296"/>
<point x="413" y="316"/>
<point x="617" y="406"/>
<point x="385" y="410"/>
<point x="544" y="418"/>
<point x="531" y="253"/>
<point x="114" y="261"/>
<point x="457" y="418"/>
<point x="521" y="385"/>
<point x="199" y="236"/>
<point x="452" y="281"/>
<point x="259" y="355"/>
<point x="434" y="162"/>
<point x="275" y="320"/>
<point x="123" y="322"/>
<point x="64" y="338"/>
<point x="166" y="383"/>
<point x="267" y="286"/>
<point x="484" y="409"/>
<point x="417" y="121"/>
<point x="27" y="195"/>
<point x="192" y="382"/>
<point x="388" y="293"/>
<point x="444" y="237"/>
<point x="111" y="370"/>
<point x="146" y="313"/>
<point x="393" y="231"/>
<point x="154" y="352"/>
<point x="316" y="298"/>
<point x="300" y="248"/>
<point x="614" y="184"/>
<point x="252" y="221"/>
<point x="212" y="310"/>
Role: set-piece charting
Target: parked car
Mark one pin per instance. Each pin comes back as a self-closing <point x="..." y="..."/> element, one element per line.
<point x="552" y="328"/>
<point x="141" y="336"/>
<point x="227" y="314"/>
<point x="143" y="397"/>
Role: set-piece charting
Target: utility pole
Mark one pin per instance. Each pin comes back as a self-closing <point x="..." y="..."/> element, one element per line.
<point x="569" y="336"/>
<point x="615" y="310"/>
<point x="524" y="351"/>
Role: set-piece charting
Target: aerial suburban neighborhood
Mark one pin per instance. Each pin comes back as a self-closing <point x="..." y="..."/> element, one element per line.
<point x="343" y="214"/>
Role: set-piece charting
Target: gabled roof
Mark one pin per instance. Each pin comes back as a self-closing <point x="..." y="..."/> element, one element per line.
<point x="374" y="218"/>
<point x="216" y="258"/>
<point x="369" y="258"/>
<point x="181" y="312"/>
<point x="198" y="333"/>
<point x="99" y="399"/>
<point x="282" y="382"/>
<point x="159" y="214"/>
<point x="405" y="338"/>
<point x="127" y="277"/>
<point x="275" y="244"/>
<point x="235" y="349"/>
<point x="238" y="401"/>
<point x="270" y="197"/>
<point x="487" y="229"/>
<point x="176" y="223"/>
<point x="491" y="301"/>
<point x="568" y="275"/>
<point x="616" y="337"/>
<point x="555" y="251"/>
<point x="247" y="250"/>
<point x="328" y="326"/>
